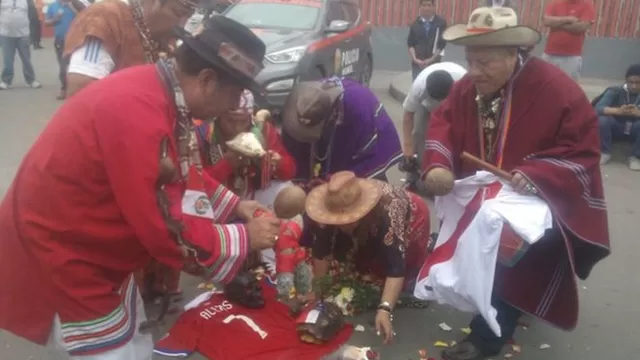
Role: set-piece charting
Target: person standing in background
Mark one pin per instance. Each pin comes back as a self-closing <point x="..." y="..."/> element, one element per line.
<point x="568" y="21"/>
<point x="35" y="26"/>
<point x="425" y="42"/>
<point x="14" y="36"/>
<point x="502" y="3"/>
<point x="60" y="14"/>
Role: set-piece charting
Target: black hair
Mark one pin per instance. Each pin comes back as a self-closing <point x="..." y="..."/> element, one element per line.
<point x="439" y="84"/>
<point x="191" y="63"/>
<point x="633" y="70"/>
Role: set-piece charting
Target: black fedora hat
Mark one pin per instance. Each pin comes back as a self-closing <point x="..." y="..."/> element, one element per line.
<point x="230" y="47"/>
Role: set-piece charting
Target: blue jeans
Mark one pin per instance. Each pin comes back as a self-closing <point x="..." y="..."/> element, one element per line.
<point x="612" y="130"/>
<point x="9" y="47"/>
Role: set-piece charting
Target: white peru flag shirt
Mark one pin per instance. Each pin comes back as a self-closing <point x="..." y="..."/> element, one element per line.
<point x="460" y="271"/>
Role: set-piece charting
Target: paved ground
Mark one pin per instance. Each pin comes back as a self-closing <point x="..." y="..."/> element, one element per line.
<point x="609" y="311"/>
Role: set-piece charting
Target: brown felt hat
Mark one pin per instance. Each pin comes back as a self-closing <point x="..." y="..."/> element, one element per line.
<point x="345" y="199"/>
<point x="308" y="108"/>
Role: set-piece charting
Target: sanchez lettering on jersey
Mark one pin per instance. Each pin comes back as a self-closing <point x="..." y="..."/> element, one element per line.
<point x="220" y="330"/>
<point x="210" y="311"/>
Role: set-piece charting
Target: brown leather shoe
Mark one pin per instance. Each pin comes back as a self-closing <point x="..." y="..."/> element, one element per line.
<point x="462" y="351"/>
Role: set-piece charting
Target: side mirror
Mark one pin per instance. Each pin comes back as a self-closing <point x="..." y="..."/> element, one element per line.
<point x="338" y="26"/>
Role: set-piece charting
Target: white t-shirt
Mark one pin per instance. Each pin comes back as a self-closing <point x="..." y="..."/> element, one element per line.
<point x="92" y="60"/>
<point x="417" y="95"/>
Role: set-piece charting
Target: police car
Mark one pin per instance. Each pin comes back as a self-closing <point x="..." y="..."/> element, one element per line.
<point x="306" y="40"/>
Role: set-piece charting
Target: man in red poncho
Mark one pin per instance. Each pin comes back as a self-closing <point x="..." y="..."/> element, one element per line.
<point x="528" y="118"/>
<point x="95" y="199"/>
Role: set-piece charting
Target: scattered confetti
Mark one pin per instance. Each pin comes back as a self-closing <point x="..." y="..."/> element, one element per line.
<point x="516" y="348"/>
<point x="453" y="343"/>
<point x="444" y="327"/>
<point x="466" y="331"/>
<point x="441" y="344"/>
<point x="359" y="328"/>
<point x="545" y="346"/>
<point x="202" y="285"/>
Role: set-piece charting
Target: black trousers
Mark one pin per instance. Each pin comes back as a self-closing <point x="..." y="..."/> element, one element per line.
<point x="35" y="31"/>
<point x="63" y="62"/>
<point x="483" y="338"/>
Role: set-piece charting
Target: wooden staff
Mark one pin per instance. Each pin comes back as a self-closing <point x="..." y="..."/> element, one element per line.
<point x="483" y="165"/>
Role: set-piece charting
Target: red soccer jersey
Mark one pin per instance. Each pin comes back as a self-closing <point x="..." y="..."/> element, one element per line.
<point x="221" y="330"/>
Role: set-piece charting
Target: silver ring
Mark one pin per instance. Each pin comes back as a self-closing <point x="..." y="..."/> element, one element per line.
<point x="529" y="188"/>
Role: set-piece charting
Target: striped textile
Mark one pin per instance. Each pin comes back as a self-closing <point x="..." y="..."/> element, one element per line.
<point x="109" y="332"/>
<point x="615" y="18"/>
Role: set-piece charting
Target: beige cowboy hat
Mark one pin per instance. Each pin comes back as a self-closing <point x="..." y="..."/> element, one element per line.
<point x="492" y="26"/>
<point x="344" y="200"/>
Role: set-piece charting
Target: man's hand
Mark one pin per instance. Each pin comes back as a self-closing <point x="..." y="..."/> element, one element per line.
<point x="629" y="110"/>
<point x="418" y="62"/>
<point x="432" y="60"/>
<point x="246" y="209"/>
<point x="263" y="232"/>
<point x="275" y="159"/>
<point x="572" y="19"/>
<point x="522" y="186"/>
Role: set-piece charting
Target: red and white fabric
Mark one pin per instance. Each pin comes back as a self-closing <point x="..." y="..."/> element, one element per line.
<point x="460" y="271"/>
<point x="221" y="330"/>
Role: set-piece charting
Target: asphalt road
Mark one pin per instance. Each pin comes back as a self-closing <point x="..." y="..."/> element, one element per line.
<point x="609" y="299"/>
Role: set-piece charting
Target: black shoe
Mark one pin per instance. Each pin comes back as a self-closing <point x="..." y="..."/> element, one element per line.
<point x="462" y="351"/>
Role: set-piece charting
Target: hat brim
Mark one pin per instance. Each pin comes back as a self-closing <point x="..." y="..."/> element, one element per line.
<point x="317" y="210"/>
<point x="210" y="56"/>
<point x="511" y="36"/>
<point x="292" y="125"/>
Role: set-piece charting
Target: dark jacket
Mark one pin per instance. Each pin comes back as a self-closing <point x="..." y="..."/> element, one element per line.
<point x="615" y="97"/>
<point x="422" y="42"/>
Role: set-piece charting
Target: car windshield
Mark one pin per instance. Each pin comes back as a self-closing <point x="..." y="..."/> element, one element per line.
<point x="274" y="15"/>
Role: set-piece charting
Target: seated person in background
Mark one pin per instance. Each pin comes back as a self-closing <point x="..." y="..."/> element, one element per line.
<point x="429" y="88"/>
<point x="240" y="174"/>
<point x="619" y="116"/>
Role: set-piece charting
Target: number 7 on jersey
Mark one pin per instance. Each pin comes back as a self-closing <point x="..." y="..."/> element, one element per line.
<point x="250" y="323"/>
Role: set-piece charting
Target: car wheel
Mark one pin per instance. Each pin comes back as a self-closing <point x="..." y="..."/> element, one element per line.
<point x="367" y="72"/>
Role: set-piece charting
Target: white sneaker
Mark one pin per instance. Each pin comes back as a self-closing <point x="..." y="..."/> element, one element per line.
<point x="605" y="158"/>
<point x="4" y="86"/>
<point x="634" y="163"/>
<point x="35" y="85"/>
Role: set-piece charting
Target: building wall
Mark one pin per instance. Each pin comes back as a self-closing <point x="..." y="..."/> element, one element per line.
<point x="603" y="57"/>
<point x="618" y="19"/>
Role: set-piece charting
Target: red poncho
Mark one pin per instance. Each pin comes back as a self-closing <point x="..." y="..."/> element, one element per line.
<point x="553" y="140"/>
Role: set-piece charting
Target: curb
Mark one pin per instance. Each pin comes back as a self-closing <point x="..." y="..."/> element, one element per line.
<point x="396" y="89"/>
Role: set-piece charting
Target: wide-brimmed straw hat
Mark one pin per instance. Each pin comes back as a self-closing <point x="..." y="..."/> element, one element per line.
<point x="345" y="199"/>
<point x="492" y="26"/>
<point x="308" y="108"/>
